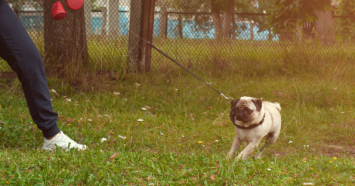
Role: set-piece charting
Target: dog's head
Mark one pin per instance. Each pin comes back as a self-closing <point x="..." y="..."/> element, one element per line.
<point x="245" y="109"/>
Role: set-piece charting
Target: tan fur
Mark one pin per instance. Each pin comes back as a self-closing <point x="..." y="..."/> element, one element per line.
<point x="270" y="127"/>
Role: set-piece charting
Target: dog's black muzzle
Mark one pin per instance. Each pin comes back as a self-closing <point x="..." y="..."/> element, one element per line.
<point x="241" y="116"/>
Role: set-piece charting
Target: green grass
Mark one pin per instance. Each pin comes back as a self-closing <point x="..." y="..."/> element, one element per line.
<point x="314" y="85"/>
<point x="315" y="89"/>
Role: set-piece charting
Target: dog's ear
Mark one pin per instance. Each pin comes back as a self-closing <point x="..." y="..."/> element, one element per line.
<point x="234" y="103"/>
<point x="258" y="104"/>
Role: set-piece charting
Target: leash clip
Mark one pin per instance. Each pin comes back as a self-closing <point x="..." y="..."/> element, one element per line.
<point x="225" y="97"/>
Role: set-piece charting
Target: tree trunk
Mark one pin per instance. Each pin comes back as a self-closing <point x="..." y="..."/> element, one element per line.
<point x="228" y="18"/>
<point x="325" y="27"/>
<point x="135" y="30"/>
<point x="299" y="33"/>
<point x="179" y="26"/>
<point x="103" y="21"/>
<point x="140" y="29"/>
<point x="64" y="40"/>
<point x="216" y="18"/>
<point x="217" y="25"/>
<point x="87" y="11"/>
<point x="234" y="26"/>
<point x="163" y="21"/>
<point x="251" y="30"/>
<point x="269" y="35"/>
<point x="113" y="19"/>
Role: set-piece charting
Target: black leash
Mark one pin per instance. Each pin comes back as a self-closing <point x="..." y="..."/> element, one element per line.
<point x="225" y="97"/>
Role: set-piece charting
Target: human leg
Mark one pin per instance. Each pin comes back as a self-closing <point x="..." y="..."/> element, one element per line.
<point x="18" y="49"/>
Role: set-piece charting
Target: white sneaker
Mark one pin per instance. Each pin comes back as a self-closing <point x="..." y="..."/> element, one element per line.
<point x="63" y="141"/>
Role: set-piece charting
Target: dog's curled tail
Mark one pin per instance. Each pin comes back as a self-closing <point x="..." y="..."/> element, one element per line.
<point x="278" y="106"/>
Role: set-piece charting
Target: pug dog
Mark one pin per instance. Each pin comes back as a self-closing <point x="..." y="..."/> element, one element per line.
<point x="254" y="119"/>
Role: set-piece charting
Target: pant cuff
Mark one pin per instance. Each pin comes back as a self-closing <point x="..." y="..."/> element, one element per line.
<point x="51" y="131"/>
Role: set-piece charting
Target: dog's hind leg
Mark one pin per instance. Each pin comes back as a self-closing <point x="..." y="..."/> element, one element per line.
<point x="267" y="142"/>
<point x="235" y="147"/>
<point x="270" y="139"/>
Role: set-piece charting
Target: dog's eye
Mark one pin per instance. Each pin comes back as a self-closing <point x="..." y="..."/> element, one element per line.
<point x="246" y="109"/>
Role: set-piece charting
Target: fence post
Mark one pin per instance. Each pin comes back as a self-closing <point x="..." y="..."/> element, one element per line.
<point x="148" y="25"/>
<point x="141" y="24"/>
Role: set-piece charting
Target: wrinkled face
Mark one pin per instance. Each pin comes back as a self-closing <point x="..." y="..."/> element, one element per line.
<point x="244" y="110"/>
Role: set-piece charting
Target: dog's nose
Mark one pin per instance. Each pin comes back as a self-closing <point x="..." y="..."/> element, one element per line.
<point x="239" y="114"/>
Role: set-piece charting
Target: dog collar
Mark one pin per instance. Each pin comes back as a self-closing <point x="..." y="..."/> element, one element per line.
<point x="251" y="126"/>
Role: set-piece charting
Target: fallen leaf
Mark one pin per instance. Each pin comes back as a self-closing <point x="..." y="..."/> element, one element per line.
<point x="212" y="177"/>
<point x="217" y="166"/>
<point x="2" y="122"/>
<point x="113" y="156"/>
<point x="68" y="121"/>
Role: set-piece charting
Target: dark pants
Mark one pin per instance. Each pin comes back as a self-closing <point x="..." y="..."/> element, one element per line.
<point x="18" y="49"/>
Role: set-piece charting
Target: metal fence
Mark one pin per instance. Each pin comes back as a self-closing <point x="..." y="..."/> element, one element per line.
<point x="195" y="37"/>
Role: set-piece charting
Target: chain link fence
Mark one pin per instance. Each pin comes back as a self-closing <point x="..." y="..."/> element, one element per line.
<point x="194" y="33"/>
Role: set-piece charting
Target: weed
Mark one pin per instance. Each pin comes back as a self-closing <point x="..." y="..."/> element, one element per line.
<point x="183" y="133"/>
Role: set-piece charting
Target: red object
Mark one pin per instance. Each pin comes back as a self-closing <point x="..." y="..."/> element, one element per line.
<point x="74" y="4"/>
<point x="58" y="11"/>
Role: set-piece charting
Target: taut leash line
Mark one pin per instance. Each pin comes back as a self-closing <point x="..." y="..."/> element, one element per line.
<point x="161" y="52"/>
<point x="227" y="98"/>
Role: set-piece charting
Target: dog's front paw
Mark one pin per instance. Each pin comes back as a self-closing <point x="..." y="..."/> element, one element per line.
<point x="242" y="156"/>
<point x="229" y="156"/>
